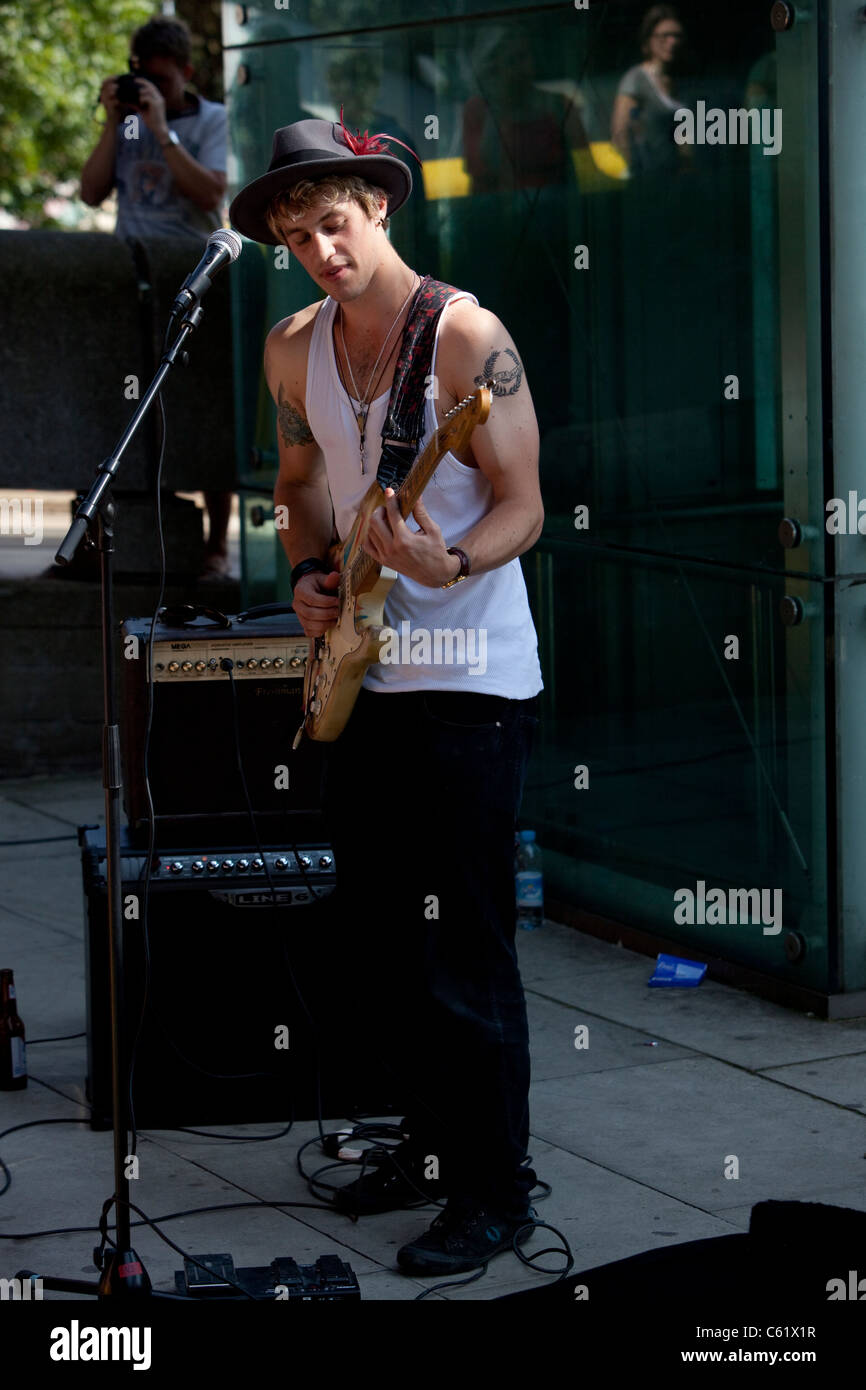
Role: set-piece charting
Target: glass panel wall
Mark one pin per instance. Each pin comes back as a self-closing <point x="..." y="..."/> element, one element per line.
<point x="636" y="198"/>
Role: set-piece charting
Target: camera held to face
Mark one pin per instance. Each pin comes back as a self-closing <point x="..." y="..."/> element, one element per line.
<point x="127" y="90"/>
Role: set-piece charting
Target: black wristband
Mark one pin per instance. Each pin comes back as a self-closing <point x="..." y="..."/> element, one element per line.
<point x="307" y="567"/>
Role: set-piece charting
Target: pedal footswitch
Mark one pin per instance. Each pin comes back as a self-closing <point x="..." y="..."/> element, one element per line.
<point x="216" y="1277"/>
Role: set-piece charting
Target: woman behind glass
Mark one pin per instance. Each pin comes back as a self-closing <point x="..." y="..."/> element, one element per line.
<point x="642" y="125"/>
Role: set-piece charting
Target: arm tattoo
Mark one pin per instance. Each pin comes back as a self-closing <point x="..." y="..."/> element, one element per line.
<point x="293" y="423"/>
<point x="506" y="382"/>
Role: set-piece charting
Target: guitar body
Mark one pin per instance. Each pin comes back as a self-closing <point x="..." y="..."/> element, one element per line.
<point x="339" y="659"/>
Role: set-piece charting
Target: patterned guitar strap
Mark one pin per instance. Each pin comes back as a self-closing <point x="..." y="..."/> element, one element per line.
<point x="404" y="423"/>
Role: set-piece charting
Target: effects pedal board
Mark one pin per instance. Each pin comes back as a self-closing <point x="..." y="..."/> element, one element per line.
<point x="215" y="1276"/>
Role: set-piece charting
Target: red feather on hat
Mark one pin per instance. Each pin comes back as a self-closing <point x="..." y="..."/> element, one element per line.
<point x="371" y="144"/>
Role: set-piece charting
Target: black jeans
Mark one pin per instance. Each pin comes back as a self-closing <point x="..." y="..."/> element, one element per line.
<point x="422" y="794"/>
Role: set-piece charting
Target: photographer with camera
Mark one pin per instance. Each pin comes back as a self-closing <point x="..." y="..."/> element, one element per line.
<point x="169" y="162"/>
<point x="164" y="149"/>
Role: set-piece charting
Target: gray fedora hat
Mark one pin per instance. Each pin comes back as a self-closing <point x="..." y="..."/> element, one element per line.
<point x="314" y="149"/>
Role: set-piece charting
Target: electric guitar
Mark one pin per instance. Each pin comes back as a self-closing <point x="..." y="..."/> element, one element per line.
<point x="339" y="659"/>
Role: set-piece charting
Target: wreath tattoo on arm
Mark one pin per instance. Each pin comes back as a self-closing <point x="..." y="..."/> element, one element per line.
<point x="506" y="382"/>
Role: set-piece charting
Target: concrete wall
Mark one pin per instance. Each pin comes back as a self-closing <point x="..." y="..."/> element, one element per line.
<point x="81" y="313"/>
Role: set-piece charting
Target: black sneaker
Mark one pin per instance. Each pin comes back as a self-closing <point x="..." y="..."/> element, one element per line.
<point x="397" y="1182"/>
<point x="463" y="1236"/>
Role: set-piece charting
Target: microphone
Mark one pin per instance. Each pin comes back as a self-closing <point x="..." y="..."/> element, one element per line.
<point x="222" y="248"/>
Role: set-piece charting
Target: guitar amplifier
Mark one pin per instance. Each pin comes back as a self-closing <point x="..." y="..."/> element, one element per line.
<point x="215" y="728"/>
<point x="245" y="997"/>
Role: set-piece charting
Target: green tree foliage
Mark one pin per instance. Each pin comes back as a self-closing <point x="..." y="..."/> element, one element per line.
<point x="54" y="55"/>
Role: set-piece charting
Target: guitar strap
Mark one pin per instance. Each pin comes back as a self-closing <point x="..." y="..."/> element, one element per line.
<point x="404" y="422"/>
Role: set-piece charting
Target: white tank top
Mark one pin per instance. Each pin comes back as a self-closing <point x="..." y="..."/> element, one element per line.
<point x="478" y="635"/>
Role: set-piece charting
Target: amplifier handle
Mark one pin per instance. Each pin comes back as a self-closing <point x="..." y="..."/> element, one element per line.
<point x="181" y="614"/>
<point x="264" y="610"/>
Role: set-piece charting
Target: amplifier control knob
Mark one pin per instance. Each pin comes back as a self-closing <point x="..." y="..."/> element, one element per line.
<point x="281" y="863"/>
<point x="325" y="861"/>
<point x="228" y="865"/>
<point x="160" y="666"/>
<point x="296" y="661"/>
<point x="201" y="665"/>
<point x="187" y="666"/>
<point x="212" y="865"/>
<point x="213" y="663"/>
<point x="265" y="662"/>
<point x="176" y="866"/>
<point x="198" y="866"/>
<point x="258" y="865"/>
<point x="279" y="663"/>
<point x="174" y="666"/>
<point x="252" y="663"/>
<point x="305" y="861"/>
<point x="243" y="865"/>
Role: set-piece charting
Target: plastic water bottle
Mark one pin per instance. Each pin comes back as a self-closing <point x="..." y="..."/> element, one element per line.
<point x="529" y="883"/>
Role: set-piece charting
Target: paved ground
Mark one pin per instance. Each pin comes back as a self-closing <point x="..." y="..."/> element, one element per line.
<point x="633" y="1131"/>
<point x="33" y="523"/>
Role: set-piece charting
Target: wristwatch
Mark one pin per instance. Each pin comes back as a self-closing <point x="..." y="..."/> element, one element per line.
<point x="463" y="572"/>
<point x="173" y="139"/>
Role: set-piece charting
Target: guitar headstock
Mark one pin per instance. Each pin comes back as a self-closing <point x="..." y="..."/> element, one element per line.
<point x="461" y="420"/>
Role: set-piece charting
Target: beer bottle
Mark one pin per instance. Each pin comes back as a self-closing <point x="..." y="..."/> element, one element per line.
<point x="13" y="1066"/>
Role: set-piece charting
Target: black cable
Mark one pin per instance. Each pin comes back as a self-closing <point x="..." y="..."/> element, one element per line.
<point x="67" y="1037"/>
<point x="151" y="848"/>
<point x="234" y="1138"/>
<point x="204" y="1071"/>
<point x="30" y="1124"/>
<point x="548" y="1250"/>
<point x="170" y="1216"/>
<point x="228" y="666"/>
<point x="43" y="840"/>
<point x="376" y="1155"/>
<point x="452" y="1283"/>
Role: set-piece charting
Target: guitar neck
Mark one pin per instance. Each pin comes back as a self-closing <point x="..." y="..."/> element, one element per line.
<point x="419" y="475"/>
<point x="455" y="429"/>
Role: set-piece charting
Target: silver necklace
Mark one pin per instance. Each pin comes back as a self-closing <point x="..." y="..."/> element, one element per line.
<point x="361" y="415"/>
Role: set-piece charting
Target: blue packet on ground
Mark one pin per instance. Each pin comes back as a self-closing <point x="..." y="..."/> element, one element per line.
<point x="677" y="971"/>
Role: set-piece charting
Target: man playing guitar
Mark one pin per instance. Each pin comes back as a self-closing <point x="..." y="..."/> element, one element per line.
<point x="424" y="783"/>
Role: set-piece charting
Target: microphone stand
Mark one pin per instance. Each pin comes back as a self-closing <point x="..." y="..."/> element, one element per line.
<point x="123" y="1273"/>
